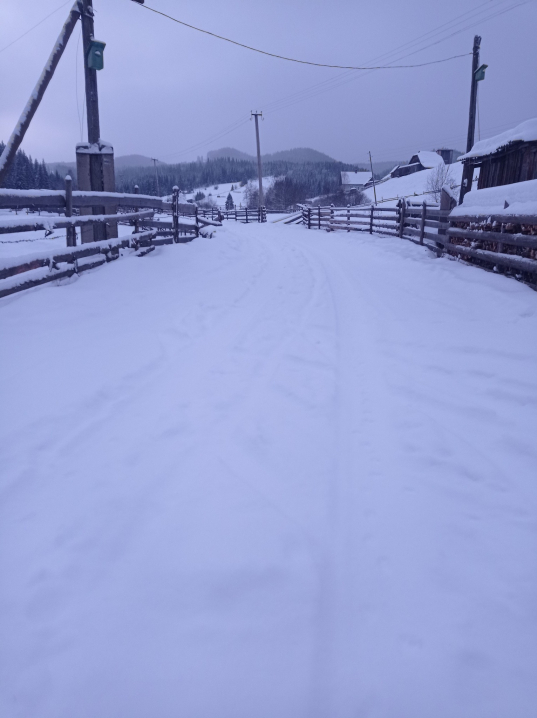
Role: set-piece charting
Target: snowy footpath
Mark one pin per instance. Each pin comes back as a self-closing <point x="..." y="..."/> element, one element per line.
<point x="271" y="474"/>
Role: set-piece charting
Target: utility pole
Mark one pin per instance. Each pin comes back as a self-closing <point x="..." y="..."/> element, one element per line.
<point x="154" y="161"/>
<point x="94" y="158"/>
<point x="373" y="176"/>
<point x="260" y="202"/>
<point x="92" y="98"/>
<point x="468" y="171"/>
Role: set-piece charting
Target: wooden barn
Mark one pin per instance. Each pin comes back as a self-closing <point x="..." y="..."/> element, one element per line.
<point x="423" y="160"/>
<point x="506" y="158"/>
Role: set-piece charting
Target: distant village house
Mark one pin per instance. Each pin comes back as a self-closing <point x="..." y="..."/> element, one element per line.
<point x="355" y="181"/>
<point x="424" y="160"/>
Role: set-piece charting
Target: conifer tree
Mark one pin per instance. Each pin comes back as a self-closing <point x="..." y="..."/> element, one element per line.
<point x="229" y="202"/>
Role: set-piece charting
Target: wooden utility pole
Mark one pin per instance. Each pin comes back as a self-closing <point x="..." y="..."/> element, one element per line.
<point x="94" y="159"/>
<point x="90" y="75"/>
<point x="154" y="161"/>
<point x="256" y="116"/>
<point x="372" y="176"/>
<point x="468" y="172"/>
<point x="29" y="111"/>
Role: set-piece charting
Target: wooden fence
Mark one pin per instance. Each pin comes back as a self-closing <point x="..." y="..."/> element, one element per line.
<point x="242" y="214"/>
<point x="33" y="270"/>
<point x="497" y="242"/>
<point x="417" y="222"/>
<point x="138" y="211"/>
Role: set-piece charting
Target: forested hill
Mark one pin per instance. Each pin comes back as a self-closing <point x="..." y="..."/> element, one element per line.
<point x="298" y="154"/>
<point x="315" y="178"/>
<point x="26" y="173"/>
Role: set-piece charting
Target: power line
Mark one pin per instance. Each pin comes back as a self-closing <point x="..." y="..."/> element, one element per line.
<point x="347" y="77"/>
<point x="34" y="26"/>
<point x="303" y="62"/>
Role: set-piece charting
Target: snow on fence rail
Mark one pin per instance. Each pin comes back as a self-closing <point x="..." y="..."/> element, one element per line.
<point x="19" y="224"/>
<point x="18" y="274"/>
<point x="55" y="200"/>
<point x="492" y="241"/>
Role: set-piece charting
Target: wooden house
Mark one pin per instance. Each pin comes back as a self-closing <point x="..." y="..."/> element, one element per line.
<point x="506" y="158"/>
<point x="353" y="181"/>
<point x="423" y="160"/>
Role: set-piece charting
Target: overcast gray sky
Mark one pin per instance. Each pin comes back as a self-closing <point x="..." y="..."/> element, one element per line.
<point x="170" y="92"/>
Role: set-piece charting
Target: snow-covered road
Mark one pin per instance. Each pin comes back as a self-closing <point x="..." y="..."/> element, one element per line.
<point x="273" y="473"/>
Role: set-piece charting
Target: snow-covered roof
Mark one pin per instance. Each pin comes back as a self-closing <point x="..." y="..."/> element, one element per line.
<point x="525" y="132"/>
<point x="355" y="177"/>
<point x="429" y="159"/>
<point x="520" y="197"/>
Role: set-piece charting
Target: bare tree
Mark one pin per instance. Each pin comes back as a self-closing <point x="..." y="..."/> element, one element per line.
<point x="441" y="175"/>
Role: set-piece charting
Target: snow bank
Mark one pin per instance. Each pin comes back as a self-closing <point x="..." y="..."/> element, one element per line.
<point x="526" y="132"/>
<point x="521" y="198"/>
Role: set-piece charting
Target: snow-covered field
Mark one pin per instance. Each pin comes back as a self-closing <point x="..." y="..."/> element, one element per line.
<point x="412" y="186"/>
<point x="273" y="473"/>
<point x="218" y="193"/>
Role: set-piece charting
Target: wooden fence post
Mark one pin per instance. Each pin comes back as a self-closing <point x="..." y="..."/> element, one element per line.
<point x="402" y="213"/>
<point x="332" y="216"/>
<point x="445" y="207"/>
<point x="70" y="232"/>
<point x="197" y="224"/>
<point x="319" y="216"/>
<point x="423" y="216"/>
<point x="136" y="221"/>
<point x="309" y="217"/>
<point x="371" y="221"/>
<point x="246" y="215"/>
<point x="348" y="218"/>
<point x="175" y="214"/>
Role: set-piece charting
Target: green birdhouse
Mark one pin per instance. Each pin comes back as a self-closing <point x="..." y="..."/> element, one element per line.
<point x="480" y="73"/>
<point x="96" y="55"/>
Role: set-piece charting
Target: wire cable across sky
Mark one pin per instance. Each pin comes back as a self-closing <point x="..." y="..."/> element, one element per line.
<point x="301" y="62"/>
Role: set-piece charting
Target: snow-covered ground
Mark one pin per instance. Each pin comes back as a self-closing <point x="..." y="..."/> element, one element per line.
<point x="218" y="193"/>
<point x="413" y="185"/>
<point x="273" y="473"/>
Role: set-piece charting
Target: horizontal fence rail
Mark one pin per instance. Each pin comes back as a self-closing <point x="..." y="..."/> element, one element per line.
<point x="239" y="214"/>
<point x="492" y="241"/>
<point x="496" y="241"/>
<point x="19" y="274"/>
<point x="9" y="225"/>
